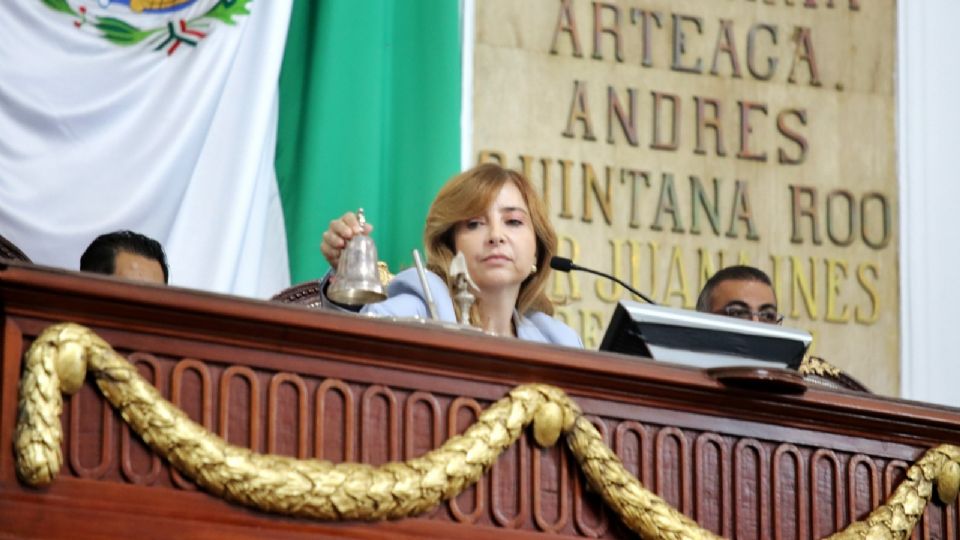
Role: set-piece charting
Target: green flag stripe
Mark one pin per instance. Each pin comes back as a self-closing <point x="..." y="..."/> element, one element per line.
<point x="369" y="116"/>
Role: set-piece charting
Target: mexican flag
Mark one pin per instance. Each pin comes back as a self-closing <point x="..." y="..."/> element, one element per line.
<point x="369" y="118"/>
<point x="172" y="118"/>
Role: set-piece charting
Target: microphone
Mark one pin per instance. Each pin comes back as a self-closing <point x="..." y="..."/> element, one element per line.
<point x="564" y="264"/>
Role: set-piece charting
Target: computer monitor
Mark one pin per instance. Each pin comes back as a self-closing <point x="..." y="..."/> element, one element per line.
<point x="701" y="339"/>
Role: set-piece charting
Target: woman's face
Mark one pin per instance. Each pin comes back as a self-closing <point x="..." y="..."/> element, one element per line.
<point x="500" y="245"/>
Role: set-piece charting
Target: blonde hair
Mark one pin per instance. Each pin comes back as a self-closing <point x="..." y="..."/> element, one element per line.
<point x="469" y="194"/>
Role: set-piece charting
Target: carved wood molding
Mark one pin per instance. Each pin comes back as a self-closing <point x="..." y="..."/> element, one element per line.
<point x="59" y="358"/>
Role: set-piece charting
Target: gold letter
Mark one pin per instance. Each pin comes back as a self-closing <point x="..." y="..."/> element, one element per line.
<point x="613" y="295"/>
<point x="680" y="43"/>
<point x="746" y="130"/>
<point x="526" y="168"/>
<point x="726" y="44"/>
<point x="884" y="223"/>
<point x="775" y="277"/>
<point x="740" y="211"/>
<point x="683" y="290"/>
<point x="573" y="282"/>
<point x="668" y="205"/>
<point x="713" y="123"/>
<point x="803" y="52"/>
<point x="752" y="48"/>
<point x="599" y="30"/>
<point x="697" y="193"/>
<point x="491" y="156"/>
<point x="646" y="17"/>
<point x="591" y="324"/>
<point x="808" y="292"/>
<point x="833" y="289"/>
<point x="674" y="142"/>
<point x="606" y="200"/>
<point x="707" y="269"/>
<point x="851" y="217"/>
<point x="810" y="211"/>
<point x="634" y="192"/>
<point x="871" y="288"/>
<point x="654" y="250"/>
<point x="635" y="266"/>
<point x="565" y="198"/>
<point x="579" y="111"/>
<point x="792" y="135"/>
<point x="547" y="188"/>
<point x="629" y="124"/>
<point x="566" y="23"/>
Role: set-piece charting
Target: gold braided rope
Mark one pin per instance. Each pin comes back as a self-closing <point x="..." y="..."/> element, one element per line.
<point x="60" y="357"/>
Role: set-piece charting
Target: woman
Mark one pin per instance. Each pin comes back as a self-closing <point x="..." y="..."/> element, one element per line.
<point x="494" y="216"/>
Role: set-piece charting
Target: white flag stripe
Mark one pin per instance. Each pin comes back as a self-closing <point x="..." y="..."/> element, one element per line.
<point x="99" y="137"/>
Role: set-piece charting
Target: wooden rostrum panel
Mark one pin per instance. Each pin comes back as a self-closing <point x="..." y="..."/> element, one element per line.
<point x="290" y="381"/>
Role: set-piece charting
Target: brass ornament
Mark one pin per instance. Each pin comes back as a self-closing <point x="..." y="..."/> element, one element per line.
<point x="814" y="365"/>
<point x="948" y="483"/>
<point x="547" y="424"/>
<point x="383" y="272"/>
<point x="60" y="356"/>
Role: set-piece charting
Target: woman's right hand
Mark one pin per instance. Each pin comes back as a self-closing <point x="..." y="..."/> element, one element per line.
<point x="340" y="232"/>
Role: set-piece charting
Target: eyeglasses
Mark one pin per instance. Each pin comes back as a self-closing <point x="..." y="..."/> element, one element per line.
<point x="764" y="315"/>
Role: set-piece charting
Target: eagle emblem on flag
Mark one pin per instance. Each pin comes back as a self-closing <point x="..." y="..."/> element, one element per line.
<point x="162" y="25"/>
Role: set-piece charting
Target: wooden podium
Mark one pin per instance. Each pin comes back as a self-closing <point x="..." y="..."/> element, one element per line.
<point x="744" y="463"/>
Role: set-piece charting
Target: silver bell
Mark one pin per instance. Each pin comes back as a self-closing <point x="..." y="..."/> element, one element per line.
<point x="358" y="278"/>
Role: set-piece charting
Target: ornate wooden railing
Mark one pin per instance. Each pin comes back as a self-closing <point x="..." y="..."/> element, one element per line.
<point x="293" y="382"/>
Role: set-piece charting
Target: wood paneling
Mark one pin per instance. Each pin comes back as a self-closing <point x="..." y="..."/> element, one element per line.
<point x="296" y="382"/>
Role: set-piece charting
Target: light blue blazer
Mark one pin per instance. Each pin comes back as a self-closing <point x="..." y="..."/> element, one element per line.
<point x="405" y="298"/>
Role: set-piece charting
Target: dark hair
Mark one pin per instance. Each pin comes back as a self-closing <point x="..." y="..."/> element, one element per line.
<point x="730" y="273"/>
<point x="101" y="254"/>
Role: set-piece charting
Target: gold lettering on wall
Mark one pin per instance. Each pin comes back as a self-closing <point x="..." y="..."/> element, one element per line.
<point x="673" y="140"/>
<point x="567" y="24"/>
<point x="677" y="283"/>
<point x="566" y="285"/>
<point x="603" y="196"/>
<point x="865" y="272"/>
<point x="836" y="273"/>
<point x="579" y="112"/>
<point x="804" y="287"/>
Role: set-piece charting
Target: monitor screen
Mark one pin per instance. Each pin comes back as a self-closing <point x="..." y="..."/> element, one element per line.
<point x="701" y="339"/>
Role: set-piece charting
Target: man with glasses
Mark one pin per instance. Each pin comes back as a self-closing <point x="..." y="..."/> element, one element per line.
<point x="747" y="293"/>
<point x="743" y="292"/>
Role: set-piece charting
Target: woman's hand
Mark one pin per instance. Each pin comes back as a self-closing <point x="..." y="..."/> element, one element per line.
<point x="340" y="232"/>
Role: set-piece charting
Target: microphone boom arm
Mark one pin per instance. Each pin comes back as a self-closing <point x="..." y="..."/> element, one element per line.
<point x="564" y="264"/>
<point x="615" y="279"/>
